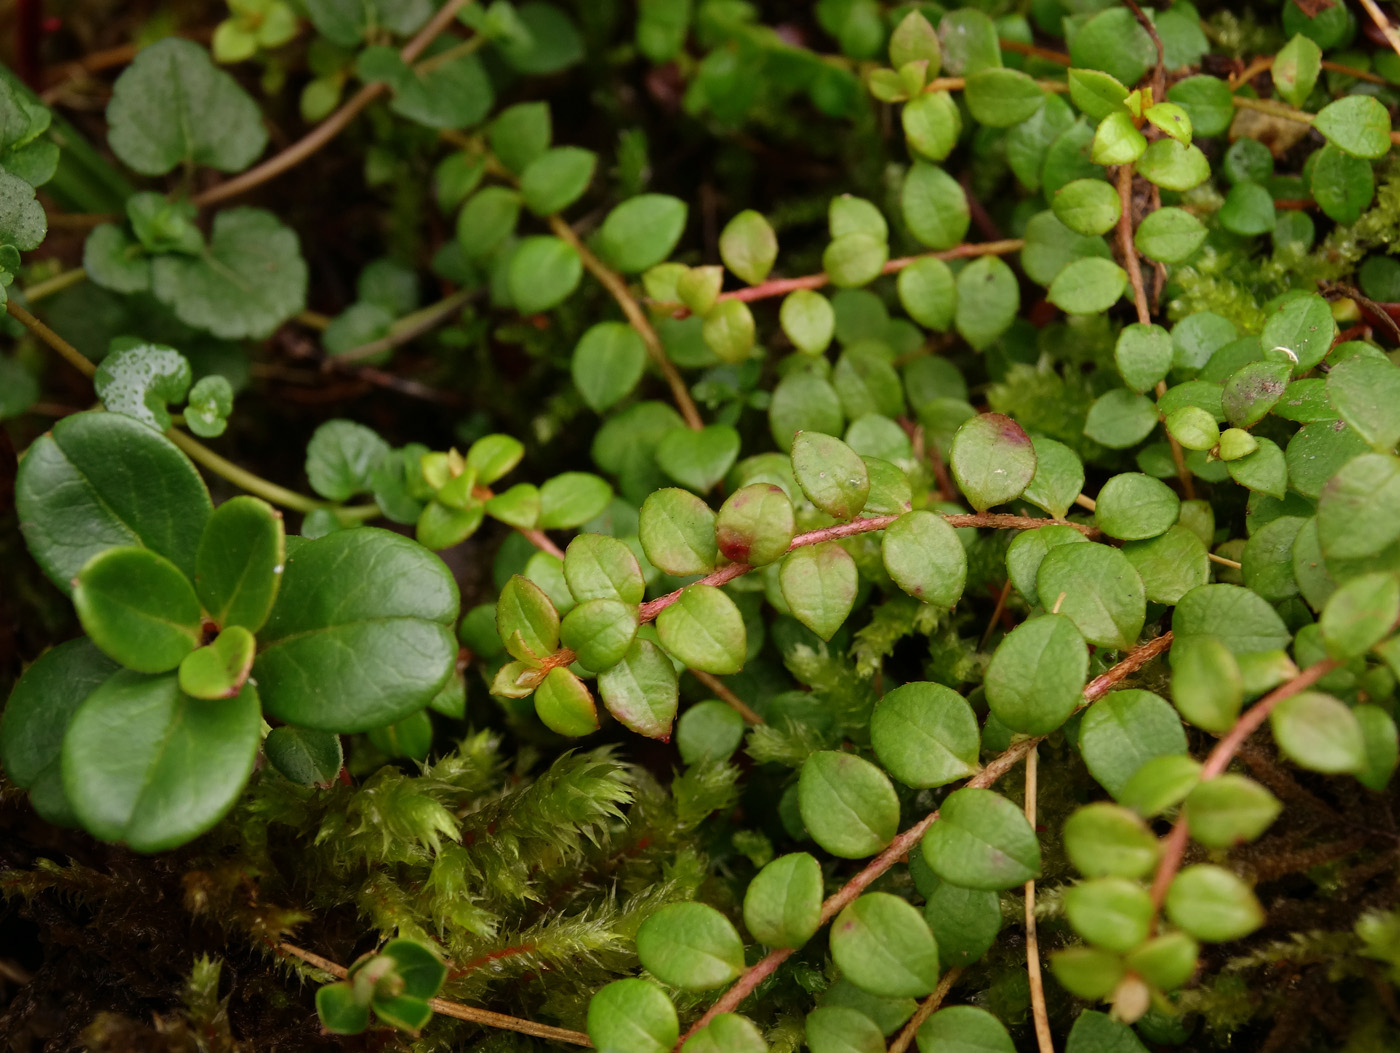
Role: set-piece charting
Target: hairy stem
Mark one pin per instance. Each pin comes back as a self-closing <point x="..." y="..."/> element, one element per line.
<point x="333" y="125"/>
<point x="909" y="840"/>
<point x="636" y="318"/>
<point x="455" y="1010"/>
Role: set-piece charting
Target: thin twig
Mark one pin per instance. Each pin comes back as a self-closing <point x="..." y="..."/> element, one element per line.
<point x="720" y="690"/>
<point x="56" y="284"/>
<point x="410" y="326"/>
<point x="926" y="1009"/>
<point x="66" y="351"/>
<point x="333" y="125"/>
<point x="1002" y="597"/>
<point x="455" y="1010"/>
<point x="907" y="841"/>
<point x="1224" y="562"/>
<point x="636" y="317"/>
<point x="1033" y="974"/>
<point x="1159" y="71"/>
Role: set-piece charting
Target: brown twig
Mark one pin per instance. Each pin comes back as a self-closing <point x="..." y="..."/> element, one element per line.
<point x="719" y="689"/>
<point x="1383" y="24"/>
<point x="908" y="841"/>
<point x="1159" y="71"/>
<point x="1002" y="597"/>
<point x="333" y="125"/>
<point x="1033" y="973"/>
<point x="456" y="1010"/>
<point x="926" y="1009"/>
<point x="1057" y="57"/>
<point x="1174" y="845"/>
<point x="636" y="317"/>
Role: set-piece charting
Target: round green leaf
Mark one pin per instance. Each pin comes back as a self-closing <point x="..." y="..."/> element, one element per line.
<point x="1248" y="209"/>
<point x="641" y="691"/>
<point x="935" y="207"/>
<point x="1121" y="733"/>
<point x="1161" y="783"/>
<point x="831" y="474"/>
<point x="1319" y="732"/>
<point x="1103" y="594"/>
<point x="708" y="731"/>
<point x="526" y="620"/>
<point x="599" y="632"/>
<point x="1365" y="391"/>
<point x="1088" y="286"/>
<point x="932" y="124"/>
<point x="632" y="1016"/>
<point x="641" y="232"/>
<point x="1143" y="355"/>
<point x="836" y="1029"/>
<point x="782" y="907"/>
<point x="964" y="1029"/>
<point x="1000" y="97"/>
<point x="729" y="330"/>
<point x="1110" y="912"/>
<point x="607" y="364"/>
<point x="1229" y="810"/>
<point x="138" y="608"/>
<point x="1169" y="235"/>
<point x="982" y="841"/>
<point x="219" y="669"/>
<point x="1132" y="506"/>
<point x="146" y="765"/>
<point x="342" y="655"/>
<point x="304" y="755"/>
<point x="748" y="246"/>
<point x="853" y="260"/>
<point x="1120" y="418"/>
<point x="1058" y="478"/>
<point x="755" y="525"/>
<point x="988" y="298"/>
<point x="808" y="320"/>
<point x="1036" y="676"/>
<point x="1358" y="513"/>
<point x="964" y="921"/>
<point x="557" y="178"/>
<point x="677" y="531"/>
<point x="1108" y="840"/>
<point x="598" y="567"/>
<point x="882" y="944"/>
<point x="1341" y="184"/>
<point x="487" y="220"/>
<point x="928" y="293"/>
<point x="818" y="584"/>
<point x="1360" y="614"/>
<point x="1358" y="124"/>
<point x="1212" y="904"/>
<point x="1303" y="326"/>
<point x="847" y="804"/>
<point x="704" y="630"/>
<point x="542" y="272"/>
<point x="992" y="460"/>
<point x="925" y="557"/>
<point x="728" y="1033"/>
<point x="1173" y="166"/>
<point x="698" y="459"/>
<point x="239" y="563"/>
<point x="690" y="945"/>
<point x="925" y="734"/>
<point x="1028" y="548"/>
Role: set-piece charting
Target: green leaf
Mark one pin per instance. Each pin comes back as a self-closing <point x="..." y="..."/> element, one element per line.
<point x="608" y="363"/>
<point x="928" y="293"/>
<point x="831" y="474"/>
<point x="1248" y="210"/>
<point x="1235" y="616"/>
<point x="219" y="669"/>
<point x="487" y="220"/>
<point x="1212" y="904"/>
<point x="1166" y="962"/>
<point x="140" y="380"/>
<point x="1173" y="166"/>
<point x="982" y="841"/>
<point x="147" y="766"/>
<point x="249" y="280"/>
<point x="690" y="945"/>
<point x="1110" y="912"/>
<point x="755" y="525"/>
<point x="925" y="557"/>
<point x="848" y="214"/>
<point x="1207" y="100"/>
<point x="992" y="459"/>
<point x="1295" y="69"/>
<point x="526" y="620"/>
<point x="853" y="260"/>
<point x="698" y="459"/>
<point x="37" y="715"/>
<point x="1170" y="235"/>
<point x="571" y="499"/>
<point x="964" y="921"/>
<point x="1120" y="418"/>
<point x="1103" y="594"/>
<point x="1124" y="731"/>
<point x="1143" y="355"/>
<point x="422" y="971"/>
<point x="641" y="691"/>
<point x="935" y="207"/>
<point x="1341" y="184"/>
<point x="341" y="458"/>
<point x="1096" y="93"/>
<point x="555" y="179"/>
<point x="1117" y="141"/>
<point x="1366" y="392"/>
<point x="1036" y="676"/>
<point x="1358" y="124"/>
<point x="632" y="1016"/>
<point x="598" y="567"/>
<point x="1319" y="732"/>
<point x="519" y="134"/>
<point x="1099" y="1033"/>
<point x="883" y="946"/>
<point x="1088" y="286"/>
<point x="1377" y="727"/>
<point x="914" y="40"/>
<point x="782" y="907"/>
<point x="1207" y="685"/>
<point x="728" y="330"/>
<point x="847" y="804"/>
<point x="1193" y="427"/>
<point x="340" y="657"/>
<point x="172" y="106"/>
<point x="867" y="383"/>
<point x="704" y="630"/>
<point x="304" y="755"/>
<point x="340" y="1010"/>
<point x="808" y="320"/>
<point x="1058" y="478"/>
<point x="641" y="232"/>
<point x="1027" y="550"/>
<point x="1230" y="810"/>
<point x="999" y="97"/>
<point x="988" y="297"/>
<point x="1161" y="783"/>
<point x="100" y="480"/>
<point x="210" y="403"/>
<point x="966" y="1029"/>
<point x="818" y="583"/>
<point x="111" y="257"/>
<point x="138" y="608"/>
<point x="1171" y="119"/>
<point x="709" y="731"/>
<point x="542" y="273"/>
<point x="1087" y="206"/>
<point x="1108" y="840"/>
<point x="677" y="531"/>
<point x="1360" y="614"/>
<point x="748" y="246"/>
<point x="599" y="631"/>
<point x="925" y="734"/>
<point x="1303" y="326"/>
<point x="1358" y="512"/>
<point x="1132" y="506"/>
<point x="932" y="124"/>
<point x="837" y="1029"/>
<point x="728" y="1033"/>
<point x="1087" y="972"/>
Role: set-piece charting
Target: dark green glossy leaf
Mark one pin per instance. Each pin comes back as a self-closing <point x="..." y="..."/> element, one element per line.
<point x="138" y="608"/>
